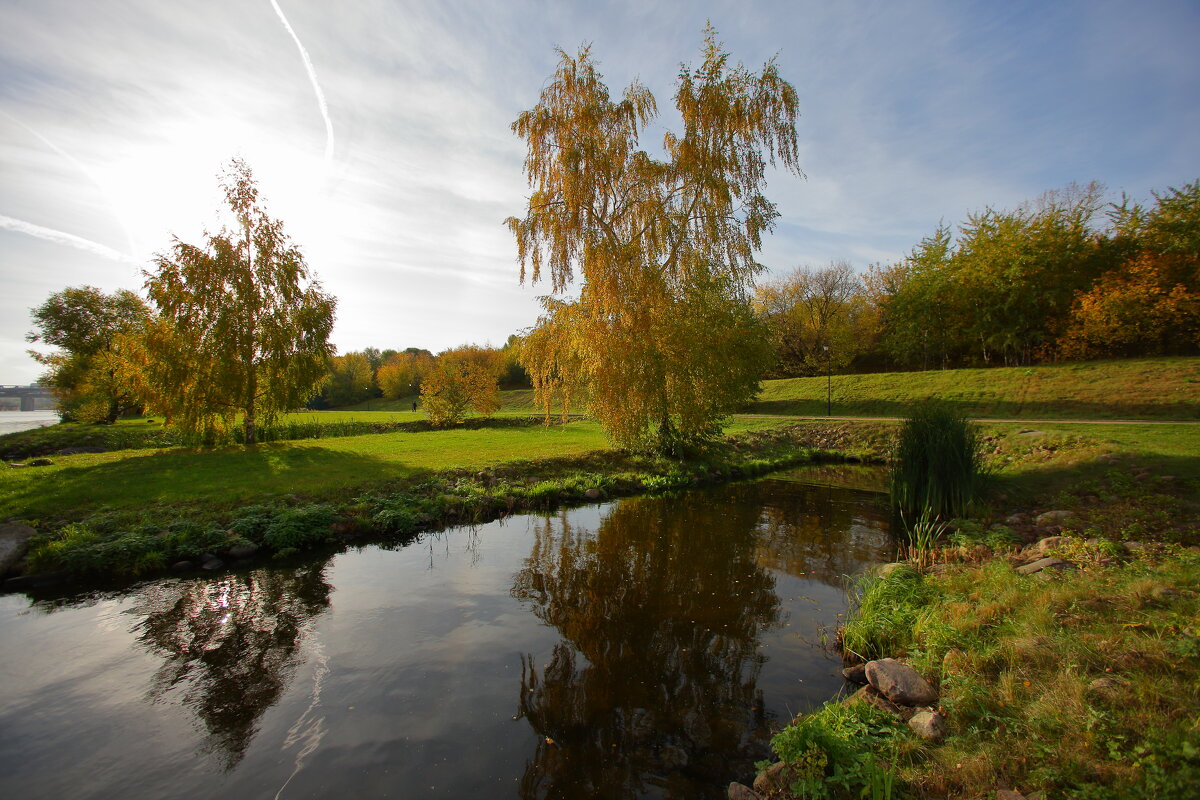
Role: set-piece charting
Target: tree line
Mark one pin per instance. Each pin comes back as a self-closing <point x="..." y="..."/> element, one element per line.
<point x="1063" y="277"/>
<point x="234" y="331"/>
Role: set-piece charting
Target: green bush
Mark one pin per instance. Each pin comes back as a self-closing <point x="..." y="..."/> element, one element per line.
<point x="303" y="526"/>
<point x="840" y="752"/>
<point x="937" y="463"/>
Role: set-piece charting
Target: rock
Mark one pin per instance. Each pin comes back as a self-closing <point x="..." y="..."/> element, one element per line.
<point x="1017" y="519"/>
<point x="885" y="570"/>
<point x="774" y="778"/>
<point x="593" y="494"/>
<point x="739" y="791"/>
<point x="14" y="542"/>
<point x="899" y="683"/>
<point x="182" y="566"/>
<point x="928" y="725"/>
<point x="672" y="757"/>
<point x="1106" y="688"/>
<point x="1052" y="517"/>
<point x="1043" y="547"/>
<point x="40" y="462"/>
<point x="243" y="550"/>
<point x="1142" y="476"/>
<point x="1045" y="564"/>
<point x="212" y="564"/>
<point x="855" y="674"/>
<point x="73" y="451"/>
<point x="871" y="696"/>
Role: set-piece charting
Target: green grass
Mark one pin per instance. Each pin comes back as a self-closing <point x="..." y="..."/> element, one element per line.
<point x="1159" y="388"/>
<point x="226" y="476"/>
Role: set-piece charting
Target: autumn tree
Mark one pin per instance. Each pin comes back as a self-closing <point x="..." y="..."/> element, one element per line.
<point x="818" y="319"/>
<point x="663" y="247"/>
<point x="100" y="341"/>
<point x="1150" y="303"/>
<point x="401" y="375"/>
<point x="350" y="380"/>
<point x="247" y="328"/>
<point x="461" y="378"/>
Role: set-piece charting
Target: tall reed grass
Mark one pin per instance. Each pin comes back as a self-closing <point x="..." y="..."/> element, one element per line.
<point x="938" y="462"/>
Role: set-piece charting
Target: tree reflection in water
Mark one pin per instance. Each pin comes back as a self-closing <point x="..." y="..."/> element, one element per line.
<point x="653" y="688"/>
<point x="230" y="645"/>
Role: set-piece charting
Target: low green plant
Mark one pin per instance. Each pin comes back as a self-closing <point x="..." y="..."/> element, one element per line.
<point x="883" y="610"/>
<point x="923" y="536"/>
<point x="937" y="463"/>
<point x="840" y="751"/>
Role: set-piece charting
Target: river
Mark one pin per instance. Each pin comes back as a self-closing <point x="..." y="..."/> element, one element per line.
<point x="14" y="421"/>
<point x="645" y="647"/>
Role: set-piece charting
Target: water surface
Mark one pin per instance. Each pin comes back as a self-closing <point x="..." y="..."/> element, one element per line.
<point x="640" y="648"/>
<point x="15" y="421"/>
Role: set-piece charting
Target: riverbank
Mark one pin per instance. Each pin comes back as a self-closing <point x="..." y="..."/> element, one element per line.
<point x="1058" y="627"/>
<point x="274" y="500"/>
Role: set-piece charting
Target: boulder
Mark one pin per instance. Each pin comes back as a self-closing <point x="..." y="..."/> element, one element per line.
<point x="739" y="791"/>
<point x="855" y="674"/>
<point x="593" y="494"/>
<point x="884" y="570"/>
<point x="1106" y="688"/>
<point x="1043" y="547"/>
<point x="1052" y="518"/>
<point x="182" y="566"/>
<point x="1045" y="564"/>
<point x="1017" y="519"/>
<point x="14" y="542"/>
<point x="928" y="725"/>
<point x="871" y="696"/>
<point x="899" y="683"/>
<point x="243" y="550"/>
<point x="40" y="462"/>
<point x="212" y="563"/>
<point x="774" y="778"/>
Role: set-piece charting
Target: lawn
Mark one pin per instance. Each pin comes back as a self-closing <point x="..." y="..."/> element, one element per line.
<point x="1158" y="388"/>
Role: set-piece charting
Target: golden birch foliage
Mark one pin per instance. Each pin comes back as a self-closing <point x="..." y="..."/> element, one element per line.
<point x="401" y="375"/>
<point x="663" y="249"/>
<point x="246" y="328"/>
<point x="462" y="378"/>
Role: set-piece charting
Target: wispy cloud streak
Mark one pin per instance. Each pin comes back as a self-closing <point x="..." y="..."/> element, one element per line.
<point x="61" y="237"/>
<point x="312" y="76"/>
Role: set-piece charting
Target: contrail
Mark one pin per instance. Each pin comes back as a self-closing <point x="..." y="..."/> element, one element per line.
<point x="312" y="76"/>
<point x="61" y="237"/>
<point x="112" y="205"/>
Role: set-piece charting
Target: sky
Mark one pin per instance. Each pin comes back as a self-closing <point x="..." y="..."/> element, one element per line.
<point x="379" y="132"/>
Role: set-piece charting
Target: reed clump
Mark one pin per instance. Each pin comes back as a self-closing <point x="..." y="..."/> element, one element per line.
<point x="937" y="466"/>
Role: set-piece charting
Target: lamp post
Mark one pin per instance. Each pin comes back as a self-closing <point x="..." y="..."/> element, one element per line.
<point x="828" y="384"/>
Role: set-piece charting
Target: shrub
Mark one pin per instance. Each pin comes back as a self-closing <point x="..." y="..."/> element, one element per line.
<point x="300" y="527"/>
<point x="837" y="752"/>
<point x="937" y="463"/>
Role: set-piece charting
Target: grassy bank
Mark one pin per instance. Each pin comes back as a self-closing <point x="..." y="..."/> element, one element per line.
<point x="132" y="512"/>
<point x="1159" y="388"/>
<point x="1083" y="683"/>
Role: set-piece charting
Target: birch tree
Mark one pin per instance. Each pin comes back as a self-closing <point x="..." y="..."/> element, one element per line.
<point x="246" y="330"/>
<point x="662" y="248"/>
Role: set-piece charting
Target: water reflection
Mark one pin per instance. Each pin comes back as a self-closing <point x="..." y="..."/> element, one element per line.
<point x="654" y="684"/>
<point x="229" y="645"/>
<point x="819" y="532"/>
